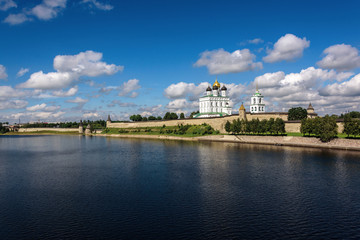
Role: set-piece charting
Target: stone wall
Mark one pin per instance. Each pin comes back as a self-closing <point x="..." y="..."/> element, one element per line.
<point x="48" y="129"/>
<point x="218" y="123"/>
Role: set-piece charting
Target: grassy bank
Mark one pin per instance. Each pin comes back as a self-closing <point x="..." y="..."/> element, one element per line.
<point x="178" y="131"/>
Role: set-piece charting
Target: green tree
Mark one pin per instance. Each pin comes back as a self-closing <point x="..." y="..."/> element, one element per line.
<point x="173" y="116"/>
<point x="166" y="116"/>
<point x="193" y="113"/>
<point x="228" y="126"/>
<point x="279" y="126"/>
<point x="262" y="126"/>
<point x="270" y="126"/>
<point x="151" y="118"/>
<point x="159" y="118"/>
<point x="236" y="126"/>
<point x="297" y="113"/>
<point x="327" y="128"/>
<point x="182" y="116"/>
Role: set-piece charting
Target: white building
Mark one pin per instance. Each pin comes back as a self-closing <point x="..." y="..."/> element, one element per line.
<point x="215" y="103"/>
<point x="257" y="104"/>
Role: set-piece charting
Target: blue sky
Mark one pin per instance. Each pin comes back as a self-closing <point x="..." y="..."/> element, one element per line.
<point x="85" y="59"/>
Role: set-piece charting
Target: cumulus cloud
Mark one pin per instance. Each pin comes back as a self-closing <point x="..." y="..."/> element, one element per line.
<point x="85" y="64"/>
<point x="182" y="90"/>
<point x="288" y="47"/>
<point x="13" y="104"/>
<point x="7" y="4"/>
<point x="128" y="88"/>
<point x="3" y="74"/>
<point x="15" y="19"/>
<point x="7" y="92"/>
<point x="90" y="115"/>
<point x="179" y="104"/>
<point x="121" y="104"/>
<point x="42" y="107"/>
<point x="22" y="72"/>
<point x="78" y="100"/>
<point x="36" y="107"/>
<point x="256" y="41"/>
<point x="48" y="9"/>
<point x="283" y="91"/>
<point x="340" y="57"/>
<point x="348" y="88"/>
<point x="69" y="93"/>
<point x="220" y="61"/>
<point x="99" y="5"/>
<point x="69" y="69"/>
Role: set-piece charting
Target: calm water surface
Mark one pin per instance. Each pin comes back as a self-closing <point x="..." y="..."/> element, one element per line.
<point x="61" y="187"/>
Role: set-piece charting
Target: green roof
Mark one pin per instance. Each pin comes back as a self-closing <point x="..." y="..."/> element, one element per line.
<point x="210" y="113"/>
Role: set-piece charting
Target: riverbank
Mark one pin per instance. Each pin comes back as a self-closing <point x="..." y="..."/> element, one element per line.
<point x="291" y="141"/>
<point x="307" y="142"/>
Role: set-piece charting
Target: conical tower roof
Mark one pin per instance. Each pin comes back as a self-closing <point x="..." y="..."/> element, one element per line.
<point x="310" y="107"/>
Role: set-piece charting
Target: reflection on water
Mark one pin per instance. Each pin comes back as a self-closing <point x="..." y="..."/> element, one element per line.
<point x="85" y="187"/>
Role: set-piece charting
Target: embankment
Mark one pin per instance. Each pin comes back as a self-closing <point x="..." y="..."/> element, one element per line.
<point x="308" y="142"/>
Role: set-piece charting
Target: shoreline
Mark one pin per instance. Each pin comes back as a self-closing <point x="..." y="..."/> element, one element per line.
<point x="288" y="141"/>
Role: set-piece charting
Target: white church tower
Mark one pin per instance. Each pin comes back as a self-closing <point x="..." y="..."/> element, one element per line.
<point x="257" y="104"/>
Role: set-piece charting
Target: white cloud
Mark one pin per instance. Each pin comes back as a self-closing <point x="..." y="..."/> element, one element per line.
<point x="14" y="19"/>
<point x="182" y="89"/>
<point x="288" y="47"/>
<point x="36" y="107"/>
<point x="7" y="92"/>
<point x="42" y="107"/>
<point x="283" y="91"/>
<point x="91" y="115"/>
<point x="69" y="69"/>
<point x="52" y="80"/>
<point x="178" y="104"/>
<point x="121" y="104"/>
<point x="48" y="9"/>
<point x="256" y="41"/>
<point x="69" y="93"/>
<point x="128" y="88"/>
<point x="99" y="5"/>
<point x="220" y="61"/>
<point x="270" y="79"/>
<point x="340" y="57"/>
<point x="22" y="72"/>
<point x="3" y="74"/>
<point x="7" y="4"/>
<point x="348" y="88"/>
<point x="85" y="64"/>
<point x="13" y="104"/>
<point x="78" y="100"/>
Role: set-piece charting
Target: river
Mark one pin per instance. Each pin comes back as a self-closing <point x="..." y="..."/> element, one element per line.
<point x="75" y="187"/>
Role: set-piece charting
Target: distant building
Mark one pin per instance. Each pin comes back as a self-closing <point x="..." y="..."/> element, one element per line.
<point x="215" y="103"/>
<point x="257" y="104"/>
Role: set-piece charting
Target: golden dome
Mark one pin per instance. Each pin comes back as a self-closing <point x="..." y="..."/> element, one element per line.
<point x="216" y="83"/>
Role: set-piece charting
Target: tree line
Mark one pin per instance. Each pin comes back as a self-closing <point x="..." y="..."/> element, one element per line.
<point x="255" y="126"/>
<point x="167" y="116"/>
<point x="324" y="128"/>
<point x="351" y="126"/>
<point x="98" y="124"/>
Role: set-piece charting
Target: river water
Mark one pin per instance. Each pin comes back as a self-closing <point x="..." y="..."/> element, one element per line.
<point x="74" y="187"/>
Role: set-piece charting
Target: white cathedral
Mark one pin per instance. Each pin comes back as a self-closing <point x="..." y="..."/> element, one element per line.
<point x="216" y="103"/>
